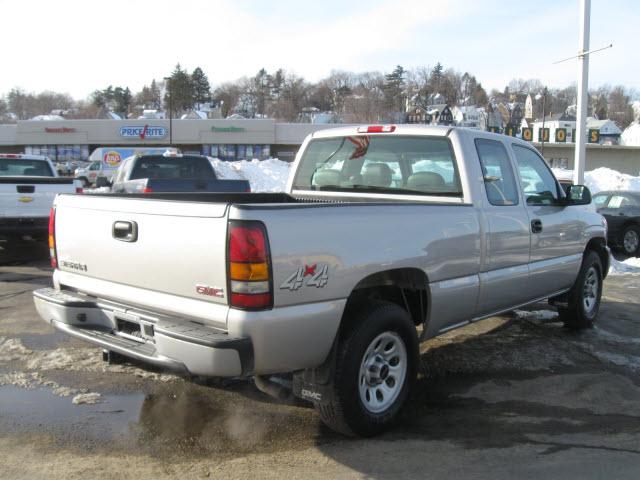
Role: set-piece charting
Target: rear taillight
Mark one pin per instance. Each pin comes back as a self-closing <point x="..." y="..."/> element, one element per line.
<point x="147" y="190"/>
<point x="52" y="238"/>
<point x="79" y="190"/>
<point x="377" y="129"/>
<point x="249" y="266"/>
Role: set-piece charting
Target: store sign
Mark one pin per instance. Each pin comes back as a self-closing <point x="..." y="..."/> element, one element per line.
<point x="594" y="135"/>
<point x="561" y="135"/>
<point x="527" y="134"/>
<point x="143" y="132"/>
<point x="510" y="130"/>
<point x="227" y="129"/>
<point x="59" y="130"/>
<point x="543" y="134"/>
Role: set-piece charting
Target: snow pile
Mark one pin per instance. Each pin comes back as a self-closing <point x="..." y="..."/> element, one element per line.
<point x="602" y="179"/>
<point x="264" y="175"/>
<point x="631" y="266"/>
<point x="87" y="399"/>
<point x="631" y="135"/>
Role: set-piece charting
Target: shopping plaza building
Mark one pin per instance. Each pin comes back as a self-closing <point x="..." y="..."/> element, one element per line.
<point x="64" y="140"/>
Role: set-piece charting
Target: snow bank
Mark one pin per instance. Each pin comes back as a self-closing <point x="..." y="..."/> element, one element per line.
<point x="631" y="135"/>
<point x="631" y="266"/>
<point x="264" y="175"/>
<point x="602" y="179"/>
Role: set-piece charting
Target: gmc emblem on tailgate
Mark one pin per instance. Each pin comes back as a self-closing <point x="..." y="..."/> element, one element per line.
<point x="210" y="291"/>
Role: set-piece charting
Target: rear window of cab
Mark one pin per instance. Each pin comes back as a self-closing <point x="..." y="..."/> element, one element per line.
<point x="408" y="165"/>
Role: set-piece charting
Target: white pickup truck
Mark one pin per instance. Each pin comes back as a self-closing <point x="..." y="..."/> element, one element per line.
<point x="28" y="185"/>
<point x="387" y="235"/>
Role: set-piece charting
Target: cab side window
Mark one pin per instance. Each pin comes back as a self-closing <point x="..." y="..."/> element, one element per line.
<point x="499" y="180"/>
<point x="538" y="183"/>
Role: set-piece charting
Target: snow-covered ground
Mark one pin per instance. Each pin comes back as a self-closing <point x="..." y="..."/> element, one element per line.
<point x="264" y="175"/>
<point x="602" y="179"/>
<point x="631" y="266"/>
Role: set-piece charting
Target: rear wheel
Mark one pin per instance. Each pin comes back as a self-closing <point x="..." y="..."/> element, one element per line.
<point x="85" y="183"/>
<point x="584" y="297"/>
<point x="630" y="240"/>
<point x="375" y="369"/>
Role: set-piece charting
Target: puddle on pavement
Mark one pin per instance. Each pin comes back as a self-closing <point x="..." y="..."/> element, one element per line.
<point x="39" y="410"/>
<point x="185" y="421"/>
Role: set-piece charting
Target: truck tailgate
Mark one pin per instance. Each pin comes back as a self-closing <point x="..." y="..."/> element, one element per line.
<point x="31" y="196"/>
<point x="177" y="247"/>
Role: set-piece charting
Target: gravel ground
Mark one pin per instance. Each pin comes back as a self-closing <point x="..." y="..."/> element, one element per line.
<point x="515" y="396"/>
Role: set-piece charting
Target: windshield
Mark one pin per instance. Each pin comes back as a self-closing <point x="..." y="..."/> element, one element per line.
<point x="375" y="164"/>
<point x="18" y="167"/>
<point x="159" y="167"/>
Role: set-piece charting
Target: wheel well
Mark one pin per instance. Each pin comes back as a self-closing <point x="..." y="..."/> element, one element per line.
<point x="406" y="287"/>
<point x="599" y="245"/>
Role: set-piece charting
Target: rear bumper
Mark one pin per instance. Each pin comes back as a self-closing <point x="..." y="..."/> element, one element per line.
<point x="24" y="225"/>
<point x="171" y="343"/>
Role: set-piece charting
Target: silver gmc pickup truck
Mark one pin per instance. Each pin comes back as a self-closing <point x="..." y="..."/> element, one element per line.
<point x="388" y="235"/>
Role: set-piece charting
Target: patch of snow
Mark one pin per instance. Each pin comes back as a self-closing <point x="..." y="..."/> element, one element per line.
<point x="72" y="359"/>
<point x="97" y="190"/>
<point x="33" y="380"/>
<point x="631" y="135"/>
<point x="536" y="314"/>
<point x="263" y="175"/>
<point x="87" y="399"/>
<point x="602" y="179"/>
<point x="631" y="266"/>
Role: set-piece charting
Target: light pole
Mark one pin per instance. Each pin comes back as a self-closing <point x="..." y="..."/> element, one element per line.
<point x="544" y="101"/>
<point x="168" y="86"/>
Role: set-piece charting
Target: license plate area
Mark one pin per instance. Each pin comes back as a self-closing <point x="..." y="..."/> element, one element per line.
<point x="134" y="328"/>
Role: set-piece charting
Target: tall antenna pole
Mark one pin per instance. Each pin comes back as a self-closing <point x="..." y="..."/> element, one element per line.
<point x="583" y="94"/>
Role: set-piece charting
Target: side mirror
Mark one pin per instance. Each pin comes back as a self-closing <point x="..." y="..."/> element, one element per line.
<point x="102" y="182"/>
<point x="578" y="195"/>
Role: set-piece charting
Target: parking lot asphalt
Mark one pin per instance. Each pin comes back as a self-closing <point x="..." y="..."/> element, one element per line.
<point x="515" y="396"/>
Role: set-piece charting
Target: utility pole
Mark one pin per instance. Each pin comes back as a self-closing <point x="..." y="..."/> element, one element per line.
<point x="583" y="95"/>
<point x="168" y="86"/>
<point x="544" y="101"/>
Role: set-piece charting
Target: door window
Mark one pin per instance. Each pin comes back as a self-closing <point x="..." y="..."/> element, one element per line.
<point x="499" y="180"/>
<point x="600" y="200"/>
<point x="538" y="183"/>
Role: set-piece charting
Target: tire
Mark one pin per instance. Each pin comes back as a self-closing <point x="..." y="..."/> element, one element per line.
<point x="85" y="183"/>
<point x="630" y="240"/>
<point x="584" y="297"/>
<point x="371" y="384"/>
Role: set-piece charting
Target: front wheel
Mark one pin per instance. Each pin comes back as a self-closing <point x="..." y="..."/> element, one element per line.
<point x="630" y="240"/>
<point x="376" y="367"/>
<point x="584" y="297"/>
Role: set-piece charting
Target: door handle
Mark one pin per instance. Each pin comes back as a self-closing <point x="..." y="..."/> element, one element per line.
<point x="536" y="226"/>
<point x="125" y="231"/>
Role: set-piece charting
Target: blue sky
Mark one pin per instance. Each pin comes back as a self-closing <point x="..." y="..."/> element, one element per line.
<point x="76" y="46"/>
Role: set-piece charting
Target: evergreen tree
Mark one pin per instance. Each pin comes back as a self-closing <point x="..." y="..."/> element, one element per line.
<point x="436" y="77"/>
<point x="156" y="98"/>
<point x="201" y="87"/>
<point x="179" y="92"/>
<point x="393" y="89"/>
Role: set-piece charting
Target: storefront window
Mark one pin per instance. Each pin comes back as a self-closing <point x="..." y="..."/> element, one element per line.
<point x="230" y="152"/>
<point x="59" y="153"/>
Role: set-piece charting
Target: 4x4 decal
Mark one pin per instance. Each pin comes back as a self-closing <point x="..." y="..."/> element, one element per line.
<point x="309" y="275"/>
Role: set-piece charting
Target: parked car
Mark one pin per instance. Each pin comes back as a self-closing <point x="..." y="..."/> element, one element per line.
<point x="28" y="186"/>
<point x="621" y="208"/>
<point x="171" y="172"/>
<point x="384" y="229"/>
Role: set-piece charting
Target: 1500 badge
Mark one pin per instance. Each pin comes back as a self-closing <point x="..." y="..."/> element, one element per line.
<point x="310" y="275"/>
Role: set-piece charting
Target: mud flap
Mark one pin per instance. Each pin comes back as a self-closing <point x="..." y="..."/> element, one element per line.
<point x="316" y="384"/>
